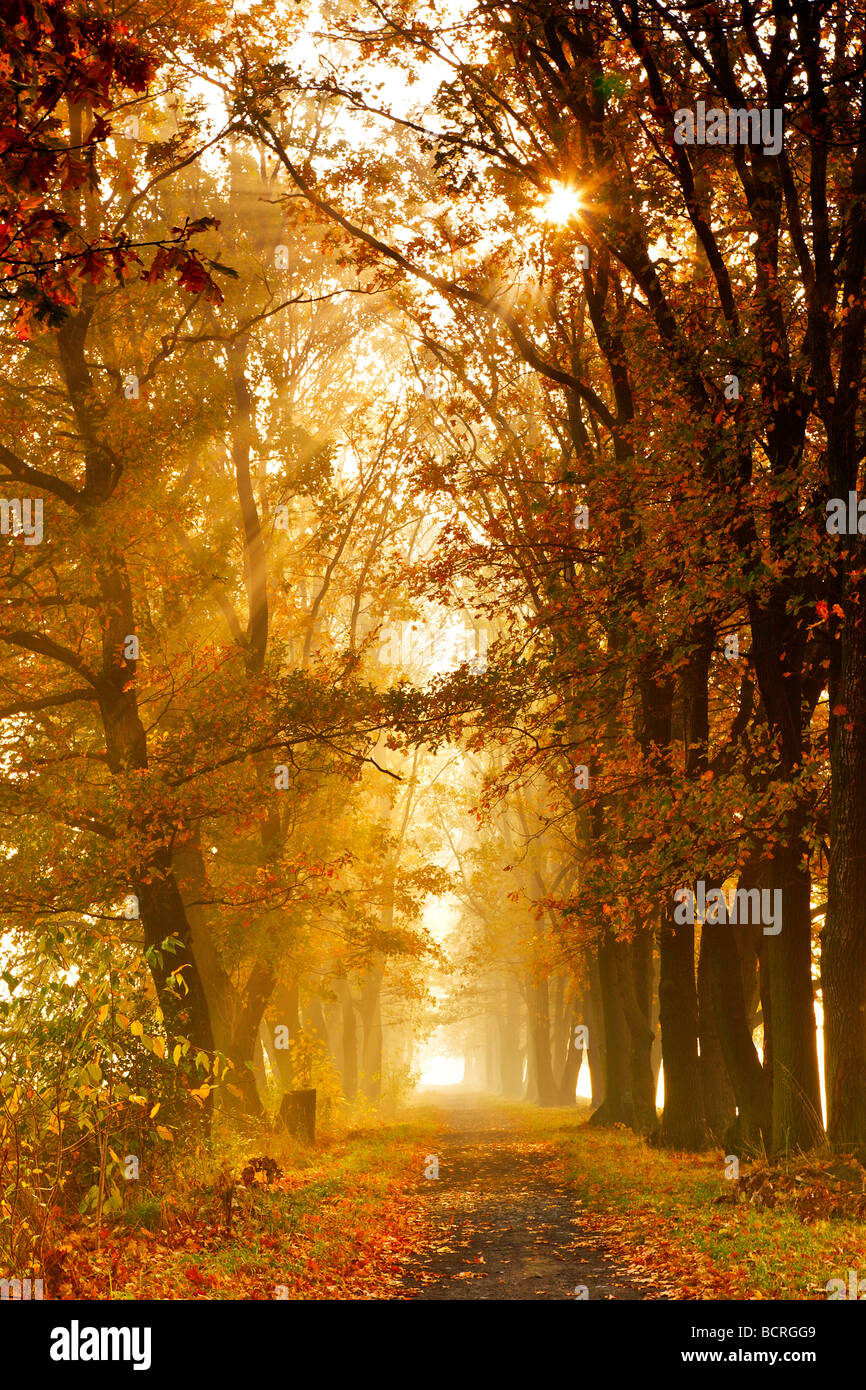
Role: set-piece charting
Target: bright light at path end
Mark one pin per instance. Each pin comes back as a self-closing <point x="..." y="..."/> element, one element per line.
<point x="443" y="1071"/>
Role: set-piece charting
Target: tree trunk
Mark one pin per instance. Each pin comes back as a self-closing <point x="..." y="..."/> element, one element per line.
<point x="260" y="1075"/>
<point x="191" y="877"/>
<point x="508" y="1037"/>
<point x="843" y="941"/>
<point x="717" y="1093"/>
<point x="633" y="960"/>
<point x="314" y="1021"/>
<point x="491" y="1057"/>
<point x="682" y="1125"/>
<point x="286" y="1014"/>
<point x="752" y="1128"/>
<point x="539" y="1003"/>
<point x="797" y="1122"/>
<point x="560" y="1042"/>
<point x="594" y="1020"/>
<point x="616" y="1107"/>
<point x="371" y="1021"/>
<point x="777" y="646"/>
<point x="530" y="1092"/>
<point x="656" y="1054"/>
<point x="574" y="1056"/>
<point x="349" y="1069"/>
<point x="259" y="988"/>
<point x="161" y="908"/>
<point x="162" y="915"/>
<point x="298" y="1111"/>
<point x="270" y="1070"/>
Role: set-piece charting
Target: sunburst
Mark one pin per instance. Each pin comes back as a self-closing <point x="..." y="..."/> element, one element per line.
<point x="561" y="206"/>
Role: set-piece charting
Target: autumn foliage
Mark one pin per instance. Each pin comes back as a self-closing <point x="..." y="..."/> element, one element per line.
<point x="430" y="584"/>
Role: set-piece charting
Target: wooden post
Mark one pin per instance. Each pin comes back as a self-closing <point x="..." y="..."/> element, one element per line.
<point x="298" y="1111"/>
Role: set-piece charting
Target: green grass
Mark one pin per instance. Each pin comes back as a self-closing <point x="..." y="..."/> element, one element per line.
<point x="147" y="1213"/>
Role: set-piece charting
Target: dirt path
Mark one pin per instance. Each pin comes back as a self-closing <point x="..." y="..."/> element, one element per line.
<point x="504" y="1221"/>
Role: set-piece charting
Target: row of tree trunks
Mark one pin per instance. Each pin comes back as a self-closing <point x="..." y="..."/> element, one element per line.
<point x="518" y="1031"/>
<point x="349" y="1030"/>
<point x="732" y="1104"/>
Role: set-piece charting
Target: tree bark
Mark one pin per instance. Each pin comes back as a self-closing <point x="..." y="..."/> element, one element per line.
<point x="285" y="1003"/>
<point x="246" y="1031"/>
<point x="797" y="1122"/>
<point x="843" y="941"/>
<point x="616" y="1107"/>
<point x="371" y="1022"/>
<point x="508" y="1023"/>
<point x="574" y="1055"/>
<point x="682" y="1125"/>
<point x="633" y="961"/>
<point x="349" y="1068"/>
<point x="594" y="1020"/>
<point x="539" y="1004"/>
<point x="717" y="1092"/>
<point x="752" y="1127"/>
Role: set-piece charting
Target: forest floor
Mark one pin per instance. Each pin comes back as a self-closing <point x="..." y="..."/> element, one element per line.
<point x="528" y="1203"/>
<point x="334" y="1222"/>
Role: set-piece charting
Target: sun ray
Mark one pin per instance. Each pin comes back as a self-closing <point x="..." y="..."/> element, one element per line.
<point x="561" y="206"/>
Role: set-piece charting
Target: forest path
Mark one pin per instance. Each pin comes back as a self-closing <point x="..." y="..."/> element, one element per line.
<point x="504" y="1219"/>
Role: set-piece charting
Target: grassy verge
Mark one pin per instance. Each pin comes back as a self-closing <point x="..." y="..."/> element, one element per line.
<point x="337" y="1223"/>
<point x="658" y="1216"/>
